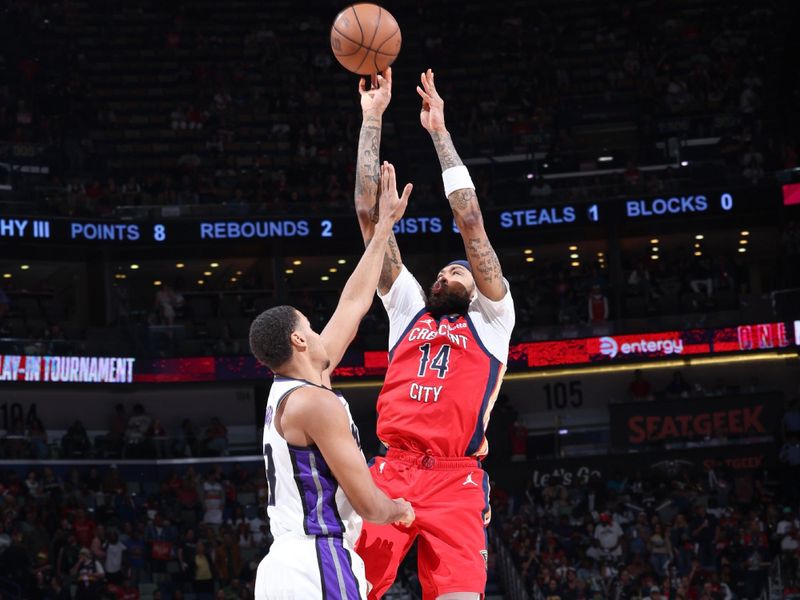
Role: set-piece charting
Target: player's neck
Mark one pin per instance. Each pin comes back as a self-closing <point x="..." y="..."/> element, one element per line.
<point x="300" y="369"/>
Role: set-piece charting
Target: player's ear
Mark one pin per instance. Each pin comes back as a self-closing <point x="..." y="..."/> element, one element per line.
<point x="298" y="340"/>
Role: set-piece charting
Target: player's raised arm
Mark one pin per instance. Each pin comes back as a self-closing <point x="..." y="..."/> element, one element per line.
<point x="373" y="105"/>
<point x="360" y="287"/>
<point x="461" y="194"/>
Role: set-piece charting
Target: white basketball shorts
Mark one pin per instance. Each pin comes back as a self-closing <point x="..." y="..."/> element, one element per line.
<point x="307" y="567"/>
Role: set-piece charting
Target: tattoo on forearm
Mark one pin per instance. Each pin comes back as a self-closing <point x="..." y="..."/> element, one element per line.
<point x="374" y="213"/>
<point x="392" y="263"/>
<point x="448" y="157"/>
<point x="481" y="253"/>
<point x="368" y="173"/>
<point x="463" y="201"/>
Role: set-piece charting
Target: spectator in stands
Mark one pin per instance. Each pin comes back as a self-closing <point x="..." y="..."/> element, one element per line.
<point x="519" y="442"/>
<point x="790" y="459"/>
<point x="99" y="543"/>
<point x="660" y="548"/>
<point x="15" y="442"/>
<point x="57" y="590"/>
<point x="213" y="497"/>
<point x="642" y="283"/>
<point x="227" y="557"/>
<point x="136" y="433"/>
<point x="186" y="441"/>
<point x="161" y="538"/>
<point x="678" y="387"/>
<point x="597" y="306"/>
<point x="68" y="556"/>
<point x="700" y="279"/>
<point x="76" y="442"/>
<point x="540" y="188"/>
<point x="159" y="439"/>
<point x="128" y="590"/>
<point x="88" y="575"/>
<point x="186" y="553"/>
<point x="640" y="389"/>
<point x="16" y="564"/>
<point x="216" y="438"/>
<point x="704" y="532"/>
<point x="791" y="419"/>
<point x="115" y="438"/>
<point x="204" y="573"/>
<point x="137" y="552"/>
<point x="608" y="533"/>
<point x="115" y="554"/>
<point x="166" y="304"/>
<point x="33" y="485"/>
<point x="113" y="483"/>
<point x="83" y="526"/>
<point x="37" y="437"/>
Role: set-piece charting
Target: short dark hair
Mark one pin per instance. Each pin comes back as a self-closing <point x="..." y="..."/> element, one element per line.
<point x="270" y="334"/>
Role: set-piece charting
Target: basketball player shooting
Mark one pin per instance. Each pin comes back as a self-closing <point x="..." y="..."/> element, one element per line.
<point x="319" y="484"/>
<point x="447" y="355"/>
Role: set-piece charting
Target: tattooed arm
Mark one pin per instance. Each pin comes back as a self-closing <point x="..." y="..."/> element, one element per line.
<point x="368" y="175"/>
<point x="464" y="202"/>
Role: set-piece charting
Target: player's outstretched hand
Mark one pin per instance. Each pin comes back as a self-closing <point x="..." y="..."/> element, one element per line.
<point x="375" y="100"/>
<point x="391" y="206"/>
<point x="431" y="115"/>
<point x="407" y="512"/>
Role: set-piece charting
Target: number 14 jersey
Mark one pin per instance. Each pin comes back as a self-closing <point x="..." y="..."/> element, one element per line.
<point x="443" y="375"/>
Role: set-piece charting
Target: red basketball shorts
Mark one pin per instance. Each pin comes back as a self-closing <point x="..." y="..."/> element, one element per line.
<point x="451" y="503"/>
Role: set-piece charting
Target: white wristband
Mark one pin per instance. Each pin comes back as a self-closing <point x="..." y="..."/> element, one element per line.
<point x="456" y="178"/>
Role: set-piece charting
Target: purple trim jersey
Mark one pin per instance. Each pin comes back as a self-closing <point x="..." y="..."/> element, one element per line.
<point x="304" y="497"/>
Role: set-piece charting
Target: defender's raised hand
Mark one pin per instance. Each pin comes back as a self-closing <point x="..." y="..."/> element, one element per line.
<point x="391" y="205"/>
<point x="431" y="115"/>
<point x="376" y="99"/>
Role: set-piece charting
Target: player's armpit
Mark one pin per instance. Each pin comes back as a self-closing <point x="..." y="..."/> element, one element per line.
<point x="483" y="259"/>
<point x="324" y="420"/>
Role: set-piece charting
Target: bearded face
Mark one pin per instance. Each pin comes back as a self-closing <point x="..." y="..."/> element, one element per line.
<point x="447" y="299"/>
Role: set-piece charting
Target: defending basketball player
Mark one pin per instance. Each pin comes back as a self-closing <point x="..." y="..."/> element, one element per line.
<point x="319" y="484"/>
<point x="447" y="355"/>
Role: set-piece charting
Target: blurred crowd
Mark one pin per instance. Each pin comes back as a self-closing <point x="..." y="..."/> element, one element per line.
<point x="272" y="126"/>
<point x="684" y="535"/>
<point x="91" y="533"/>
<point x="131" y="435"/>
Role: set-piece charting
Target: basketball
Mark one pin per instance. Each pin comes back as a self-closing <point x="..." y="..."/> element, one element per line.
<point x="365" y="38"/>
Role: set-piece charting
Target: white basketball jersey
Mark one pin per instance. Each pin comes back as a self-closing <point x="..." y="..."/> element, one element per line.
<point x="304" y="497"/>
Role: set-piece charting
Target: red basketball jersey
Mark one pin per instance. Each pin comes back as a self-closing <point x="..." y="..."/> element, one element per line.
<point x="443" y="376"/>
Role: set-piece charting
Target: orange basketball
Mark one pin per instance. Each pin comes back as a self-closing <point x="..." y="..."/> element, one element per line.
<point x="365" y="38"/>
